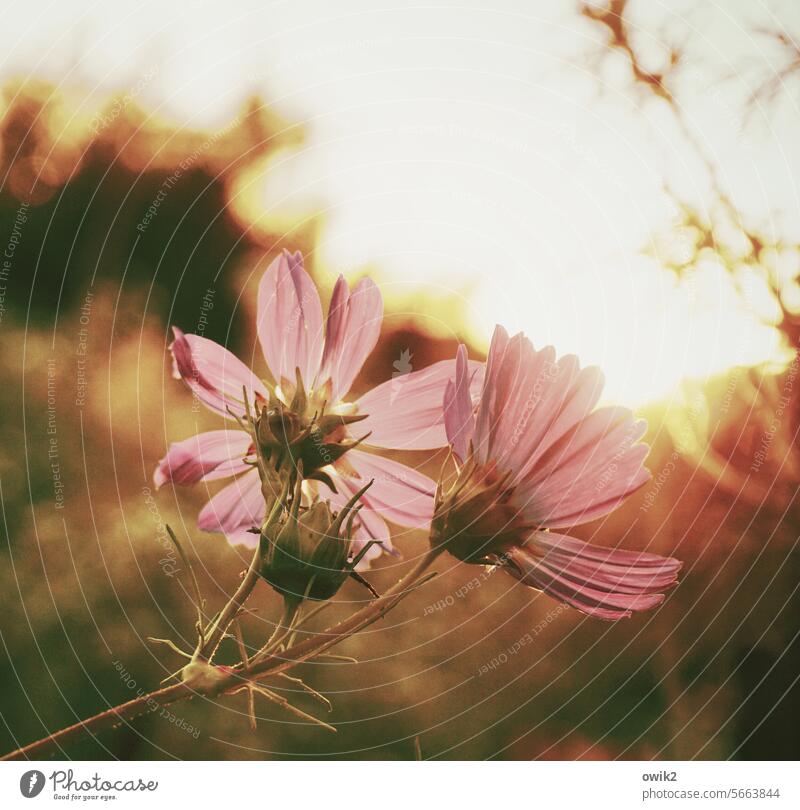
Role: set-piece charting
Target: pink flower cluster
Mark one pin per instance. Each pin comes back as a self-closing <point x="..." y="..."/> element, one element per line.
<point x="533" y="453"/>
<point x="404" y="413"/>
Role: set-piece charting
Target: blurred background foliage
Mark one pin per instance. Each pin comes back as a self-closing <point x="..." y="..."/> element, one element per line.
<point x="90" y="297"/>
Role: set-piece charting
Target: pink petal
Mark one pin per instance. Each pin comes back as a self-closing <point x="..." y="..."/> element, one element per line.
<point x="290" y="320"/>
<point x="598" y="503"/>
<point x="545" y="400"/>
<point x="614" y="576"/>
<point x="405" y="413"/>
<point x="353" y="328"/>
<point x="591" y="483"/>
<point x="578" y="443"/>
<point x="459" y="421"/>
<point x="577" y="405"/>
<point x="530" y="385"/>
<point x="553" y="542"/>
<point x="399" y="493"/>
<point x="234" y="509"/>
<point x="605" y="583"/>
<point x="213" y="374"/>
<point x="204" y="457"/>
<point x="598" y="466"/>
<point x="530" y="402"/>
<point x="485" y="415"/>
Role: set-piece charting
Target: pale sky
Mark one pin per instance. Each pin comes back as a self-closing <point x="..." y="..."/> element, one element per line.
<point x="495" y="154"/>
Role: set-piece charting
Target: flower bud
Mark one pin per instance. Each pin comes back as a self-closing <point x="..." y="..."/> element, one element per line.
<point x="277" y="427"/>
<point x="307" y="556"/>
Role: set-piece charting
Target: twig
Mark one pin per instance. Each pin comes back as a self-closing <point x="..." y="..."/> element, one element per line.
<point x="282" y="629"/>
<point x="200" y="602"/>
<point x="311" y="614"/>
<point x="251" y="704"/>
<point x="344" y="659"/>
<point x="171" y="644"/>
<point x="231" y="610"/>
<point x="220" y="626"/>
<point x="306" y="688"/>
<point x="281" y="701"/>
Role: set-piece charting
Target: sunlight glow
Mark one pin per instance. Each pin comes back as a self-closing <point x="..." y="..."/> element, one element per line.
<point x="477" y="153"/>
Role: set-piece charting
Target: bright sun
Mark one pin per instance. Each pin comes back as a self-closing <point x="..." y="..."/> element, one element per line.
<point x="485" y="157"/>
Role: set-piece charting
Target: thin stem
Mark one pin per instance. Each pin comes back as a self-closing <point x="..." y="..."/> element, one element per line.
<point x="309" y="648"/>
<point x="171" y="644"/>
<point x="216" y="632"/>
<point x="311" y="614"/>
<point x="199" y="601"/>
<point x="115" y="716"/>
<point x="340" y="659"/>
<point x="282" y="629"/>
<point x="284" y="703"/>
<point x="317" y="644"/>
<point x="306" y="688"/>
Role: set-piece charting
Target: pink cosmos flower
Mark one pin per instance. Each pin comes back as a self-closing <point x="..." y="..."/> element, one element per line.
<point x="535" y="456"/>
<point x="403" y="413"/>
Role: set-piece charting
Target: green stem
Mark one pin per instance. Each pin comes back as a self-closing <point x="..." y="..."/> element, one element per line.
<point x="322" y="641"/>
<point x="281" y="631"/>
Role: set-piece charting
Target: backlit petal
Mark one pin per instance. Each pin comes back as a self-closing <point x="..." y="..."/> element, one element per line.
<point x="289" y="320"/>
<point x="214" y="375"/>
<point x="204" y="457"/>
<point x="234" y="509"/>
<point x="459" y="420"/>
<point x="405" y="413"/>
<point x="353" y="327"/>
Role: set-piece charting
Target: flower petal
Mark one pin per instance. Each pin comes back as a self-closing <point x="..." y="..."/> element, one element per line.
<point x="204" y="457"/>
<point x="353" y="328"/>
<point x="603" y="495"/>
<point x="459" y="420"/>
<point x="213" y="374"/>
<point x="553" y="542"/>
<point x="485" y="414"/>
<point x="235" y="509"/>
<point x="289" y="320"/>
<point x="606" y="583"/>
<point x="522" y="407"/>
<point x="530" y="402"/>
<point x="405" y="413"/>
<point x="588" y="473"/>
<point x="578" y="443"/>
<point x="398" y="492"/>
<point x="576" y="405"/>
